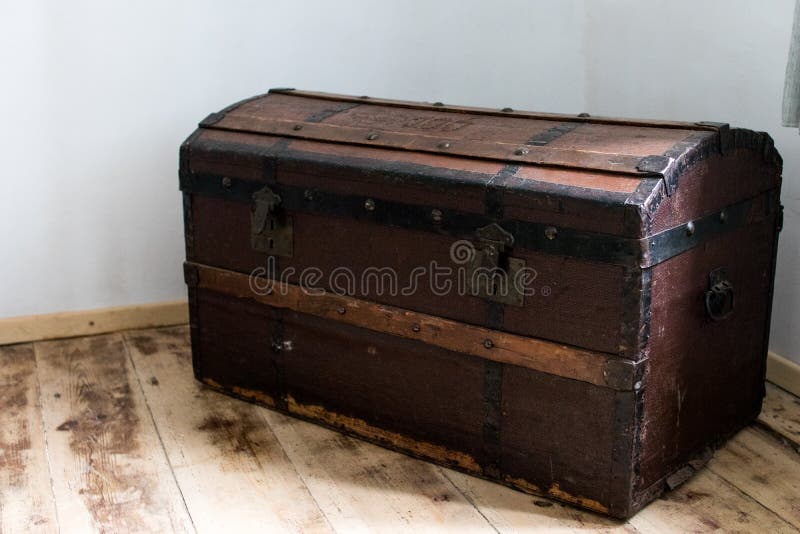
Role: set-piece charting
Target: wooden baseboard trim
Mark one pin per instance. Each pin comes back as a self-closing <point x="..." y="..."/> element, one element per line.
<point x="783" y="372"/>
<point x="89" y="322"/>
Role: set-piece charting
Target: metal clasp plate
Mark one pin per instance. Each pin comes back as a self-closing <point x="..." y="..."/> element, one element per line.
<point x="493" y="274"/>
<point x="270" y="229"/>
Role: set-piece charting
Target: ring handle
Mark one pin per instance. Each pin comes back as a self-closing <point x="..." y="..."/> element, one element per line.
<point x="719" y="299"/>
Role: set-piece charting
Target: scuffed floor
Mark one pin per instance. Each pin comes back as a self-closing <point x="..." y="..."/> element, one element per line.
<point x="112" y="433"/>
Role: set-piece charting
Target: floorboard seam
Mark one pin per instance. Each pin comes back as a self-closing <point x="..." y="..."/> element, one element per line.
<point x="777" y="435"/>
<point x="468" y="499"/>
<point x="294" y="467"/>
<point x="761" y="504"/>
<point x="157" y="431"/>
<point x="40" y="405"/>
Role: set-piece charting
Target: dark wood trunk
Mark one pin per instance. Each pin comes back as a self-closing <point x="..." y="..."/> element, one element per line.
<point x="641" y="348"/>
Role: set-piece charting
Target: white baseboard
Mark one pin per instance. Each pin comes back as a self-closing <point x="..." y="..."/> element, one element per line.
<point x="783" y="372"/>
<point x="89" y="322"/>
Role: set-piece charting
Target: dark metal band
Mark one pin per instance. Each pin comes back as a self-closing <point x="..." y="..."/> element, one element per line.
<point x="548" y="136"/>
<point x="529" y="235"/>
<point x="492" y="416"/>
<point x="327" y="113"/>
<point x="589" y="246"/>
<point x="494" y="209"/>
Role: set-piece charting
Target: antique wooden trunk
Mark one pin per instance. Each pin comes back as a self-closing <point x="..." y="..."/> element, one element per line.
<point x="574" y="306"/>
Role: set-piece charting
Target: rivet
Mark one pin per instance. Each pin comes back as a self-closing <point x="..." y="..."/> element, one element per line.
<point x="690" y="228"/>
<point x="438" y="104"/>
<point x="637" y="386"/>
<point x="723" y="216"/>
<point x="488" y="343"/>
<point x="551" y="232"/>
<point x="341" y="310"/>
<point x="507" y="110"/>
<point x="308" y="194"/>
<point x="444" y="144"/>
<point x="521" y="151"/>
<point x="372" y="137"/>
<point x="369" y="205"/>
<point x="415" y="327"/>
<point x="226" y="182"/>
<point x="436" y="215"/>
<point x="583" y="115"/>
<point x="298" y="126"/>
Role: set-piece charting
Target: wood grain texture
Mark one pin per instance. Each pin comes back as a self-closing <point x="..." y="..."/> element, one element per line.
<point x="707" y="503"/>
<point x="233" y="472"/>
<point x="541" y="355"/>
<point x="109" y="470"/>
<point x="780" y="414"/>
<point x="295" y="95"/>
<point x="364" y="488"/>
<point x="91" y="322"/>
<point x="760" y="467"/>
<point x="26" y="500"/>
<point x="513" y="511"/>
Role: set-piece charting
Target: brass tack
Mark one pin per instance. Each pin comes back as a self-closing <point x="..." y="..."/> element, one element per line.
<point x="444" y="144"/>
<point x="298" y="126"/>
<point x="227" y="182"/>
<point x="690" y="228"/>
<point x="551" y="232"/>
<point x="583" y="115"/>
<point x="372" y="137"/>
<point x="521" y="151"/>
<point x="723" y="216"/>
<point x="438" y="104"/>
<point x="436" y="215"/>
<point x="308" y="195"/>
<point x="488" y="343"/>
<point x="341" y="310"/>
<point x="507" y="110"/>
<point x="369" y="205"/>
<point x="415" y="327"/>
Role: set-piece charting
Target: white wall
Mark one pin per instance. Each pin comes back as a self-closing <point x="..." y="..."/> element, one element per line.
<point x="97" y="96"/>
<point x="97" y="99"/>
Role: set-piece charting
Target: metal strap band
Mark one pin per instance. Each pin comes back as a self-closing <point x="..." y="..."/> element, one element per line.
<point x="590" y="246"/>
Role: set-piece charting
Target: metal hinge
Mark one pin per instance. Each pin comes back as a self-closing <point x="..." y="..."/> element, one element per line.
<point x="493" y="275"/>
<point x="271" y="229"/>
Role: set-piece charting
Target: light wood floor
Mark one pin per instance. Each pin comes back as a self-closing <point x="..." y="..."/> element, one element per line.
<point x="112" y="433"/>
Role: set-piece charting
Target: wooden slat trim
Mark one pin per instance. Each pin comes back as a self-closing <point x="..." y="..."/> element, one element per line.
<point x="783" y="372"/>
<point x="596" y="368"/>
<point x="90" y="322"/>
<point x="624" y="164"/>
<point x="495" y="112"/>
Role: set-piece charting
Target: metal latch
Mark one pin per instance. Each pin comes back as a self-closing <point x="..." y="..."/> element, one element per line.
<point x="270" y="228"/>
<point x="493" y="275"/>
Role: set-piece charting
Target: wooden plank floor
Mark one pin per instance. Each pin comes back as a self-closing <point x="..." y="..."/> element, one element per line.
<point x="112" y="433"/>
